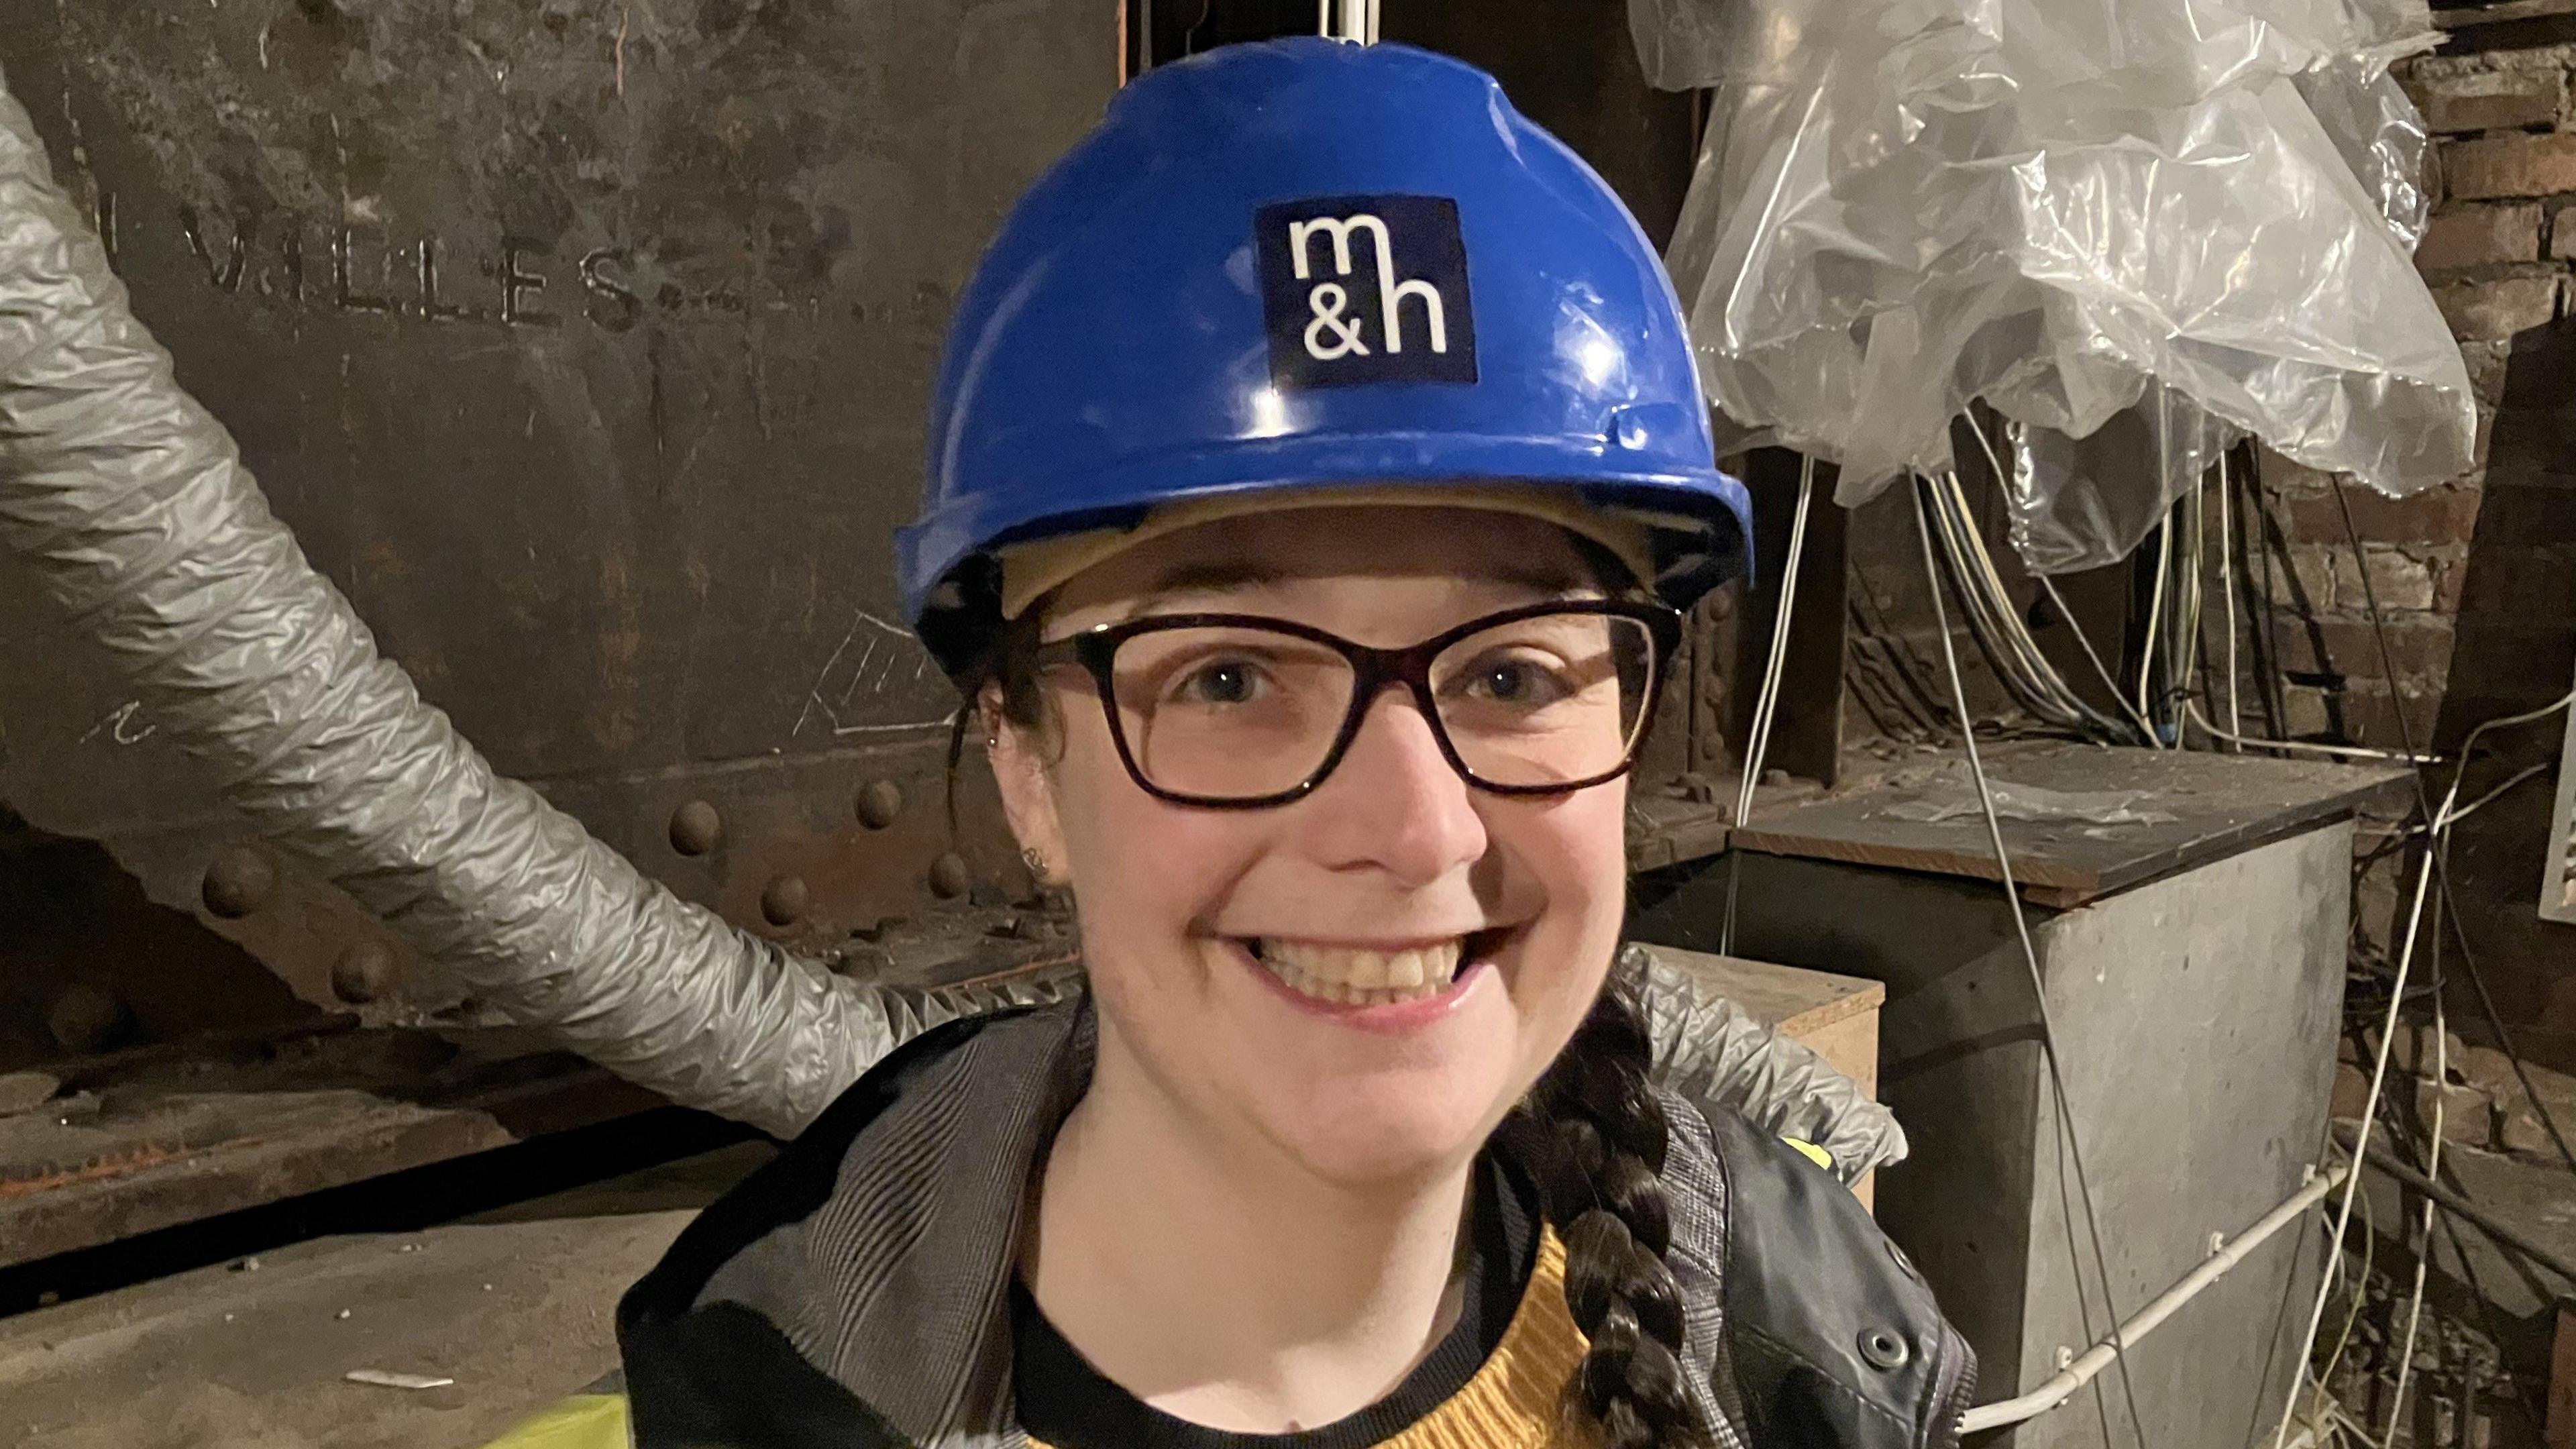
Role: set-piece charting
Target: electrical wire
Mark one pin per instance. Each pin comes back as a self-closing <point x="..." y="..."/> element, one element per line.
<point x="2480" y="803"/>
<point x="2352" y="1315"/>
<point x="2440" y="856"/>
<point x="2146" y="734"/>
<point x="2434" y="858"/>
<point x="2149" y="637"/>
<point x="2305" y="747"/>
<point x="1997" y="626"/>
<point x="2085" y="719"/>
<point x="2352" y="1185"/>
<point x="1767" y="700"/>
<point x="2038" y="984"/>
<point x="2227" y="586"/>
<point x="2433" y="1169"/>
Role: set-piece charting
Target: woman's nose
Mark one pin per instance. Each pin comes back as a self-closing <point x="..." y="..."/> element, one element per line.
<point x="1395" y="803"/>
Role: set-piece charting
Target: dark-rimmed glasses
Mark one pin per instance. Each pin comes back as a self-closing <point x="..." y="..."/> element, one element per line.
<point x="1242" y="711"/>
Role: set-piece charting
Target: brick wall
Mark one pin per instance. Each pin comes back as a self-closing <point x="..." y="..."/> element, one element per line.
<point x="2476" y="579"/>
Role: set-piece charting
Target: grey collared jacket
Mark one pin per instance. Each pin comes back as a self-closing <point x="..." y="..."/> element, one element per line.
<point x="854" y="1292"/>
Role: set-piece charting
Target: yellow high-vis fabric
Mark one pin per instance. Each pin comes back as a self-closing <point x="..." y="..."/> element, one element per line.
<point x="584" y="1421"/>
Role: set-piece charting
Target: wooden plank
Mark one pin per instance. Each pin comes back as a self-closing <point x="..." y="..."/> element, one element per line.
<point x="1690" y="819"/>
<point x="2212" y="806"/>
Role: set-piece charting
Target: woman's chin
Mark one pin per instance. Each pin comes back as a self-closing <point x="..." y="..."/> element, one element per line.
<point x="1360" y="1135"/>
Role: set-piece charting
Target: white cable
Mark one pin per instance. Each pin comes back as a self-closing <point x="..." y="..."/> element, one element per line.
<point x="2155" y="614"/>
<point x="1991" y="601"/>
<point x="2438" y="830"/>
<point x="2361" y="1146"/>
<point x="2075" y="1375"/>
<point x="2433" y="1170"/>
<point x="2454" y="817"/>
<point x="2039" y="984"/>
<point x="1758" y="744"/>
<point x="2001" y="634"/>
<point x="2227" y="586"/>
<point x="2146" y="736"/>
<point x="2305" y="747"/>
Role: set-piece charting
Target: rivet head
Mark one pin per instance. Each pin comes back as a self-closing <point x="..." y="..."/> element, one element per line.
<point x="89" y="1017"/>
<point x="880" y="803"/>
<point x="1884" y="1349"/>
<point x="239" y="881"/>
<point x="365" y="972"/>
<point x="696" y="828"/>
<point x="786" y="901"/>
<point x="949" y="877"/>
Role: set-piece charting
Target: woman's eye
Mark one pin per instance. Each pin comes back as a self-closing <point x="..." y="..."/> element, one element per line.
<point x="1514" y="681"/>
<point x="1231" y="681"/>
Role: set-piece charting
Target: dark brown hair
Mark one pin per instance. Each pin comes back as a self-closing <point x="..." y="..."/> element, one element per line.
<point x="1595" y="1134"/>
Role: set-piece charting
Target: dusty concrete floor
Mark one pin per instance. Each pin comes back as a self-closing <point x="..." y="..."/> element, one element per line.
<point x="517" y="1306"/>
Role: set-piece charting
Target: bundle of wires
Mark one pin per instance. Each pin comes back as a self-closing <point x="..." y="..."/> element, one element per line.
<point x="1998" y="627"/>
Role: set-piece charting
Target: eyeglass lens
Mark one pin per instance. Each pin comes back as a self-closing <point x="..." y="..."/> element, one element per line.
<point x="1236" y="712"/>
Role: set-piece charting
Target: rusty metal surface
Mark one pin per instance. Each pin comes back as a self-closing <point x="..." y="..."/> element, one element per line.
<point x="586" y="348"/>
<point x="163" y="1138"/>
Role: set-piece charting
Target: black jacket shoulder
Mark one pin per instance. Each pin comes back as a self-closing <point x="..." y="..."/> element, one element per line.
<point x="1835" y="1337"/>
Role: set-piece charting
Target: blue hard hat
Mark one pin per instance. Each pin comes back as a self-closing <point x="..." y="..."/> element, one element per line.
<point x="1309" y="264"/>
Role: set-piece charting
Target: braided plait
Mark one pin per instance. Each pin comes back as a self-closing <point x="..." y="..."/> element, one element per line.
<point x="1594" y="1135"/>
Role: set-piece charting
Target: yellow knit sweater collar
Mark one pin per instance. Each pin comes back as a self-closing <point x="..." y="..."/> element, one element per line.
<point x="1519" y="1398"/>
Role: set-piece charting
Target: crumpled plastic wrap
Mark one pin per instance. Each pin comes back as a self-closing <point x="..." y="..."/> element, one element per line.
<point x="125" y="506"/>
<point x="1711" y="1050"/>
<point x="1904" y="207"/>
<point x="2080" y="503"/>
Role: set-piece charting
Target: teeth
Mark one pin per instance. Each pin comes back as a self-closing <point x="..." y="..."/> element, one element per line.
<point x="1360" y="977"/>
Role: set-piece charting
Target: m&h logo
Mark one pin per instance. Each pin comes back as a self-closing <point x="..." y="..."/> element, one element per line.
<point x="1361" y="289"/>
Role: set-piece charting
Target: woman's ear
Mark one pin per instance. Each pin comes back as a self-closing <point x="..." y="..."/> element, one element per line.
<point x="1019" y="763"/>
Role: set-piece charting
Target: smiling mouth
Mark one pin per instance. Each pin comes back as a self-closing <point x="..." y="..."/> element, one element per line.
<point x="1359" y="976"/>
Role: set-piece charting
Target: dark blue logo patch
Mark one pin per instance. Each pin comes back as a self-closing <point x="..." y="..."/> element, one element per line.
<point x="1365" y="289"/>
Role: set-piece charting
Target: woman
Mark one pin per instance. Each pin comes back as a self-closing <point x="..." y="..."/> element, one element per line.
<point x="1316" y="471"/>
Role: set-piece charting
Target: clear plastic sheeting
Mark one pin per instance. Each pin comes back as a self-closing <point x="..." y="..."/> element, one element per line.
<point x="2081" y="503"/>
<point x="1905" y="207"/>
<point x="234" y="691"/>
